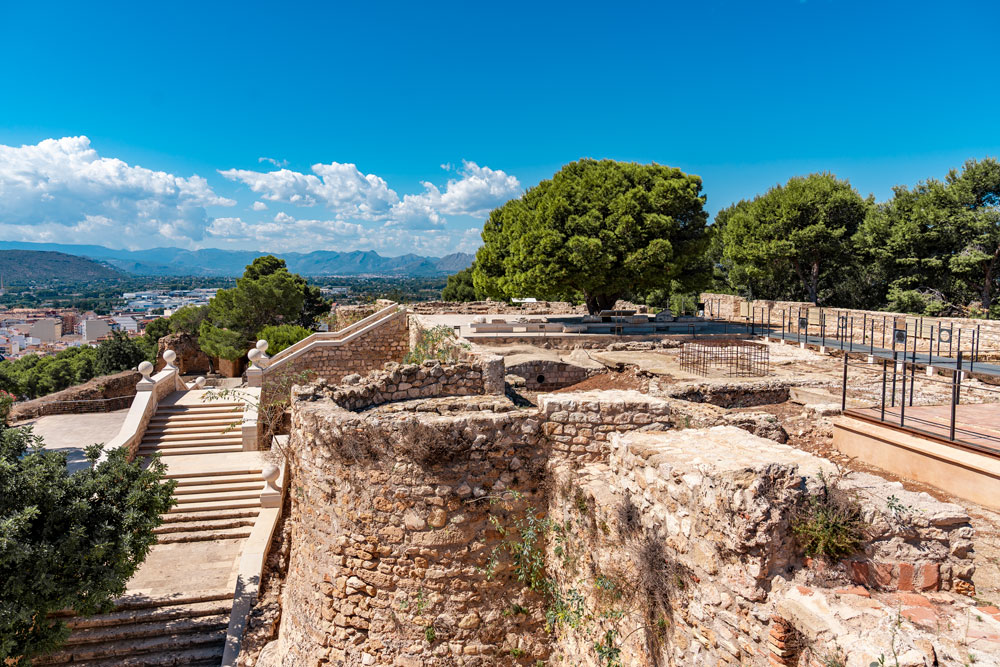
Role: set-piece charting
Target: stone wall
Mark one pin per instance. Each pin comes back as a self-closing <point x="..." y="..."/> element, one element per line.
<point x="190" y="358"/>
<point x="504" y="308"/>
<point x="400" y="382"/>
<point x="730" y="307"/>
<point x="371" y="350"/>
<point x="102" y="394"/>
<point x="681" y="547"/>
<point x="415" y="533"/>
<point x="548" y="374"/>
<point x="392" y="538"/>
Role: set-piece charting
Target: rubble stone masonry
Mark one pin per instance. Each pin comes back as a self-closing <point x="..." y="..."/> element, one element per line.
<point x="414" y="533"/>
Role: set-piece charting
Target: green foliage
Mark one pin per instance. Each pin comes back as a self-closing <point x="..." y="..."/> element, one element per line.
<point x="6" y="402"/>
<point x="188" y="320"/>
<point x="435" y="343"/>
<point x="282" y="336"/>
<point x="938" y="238"/>
<point x="150" y="339"/>
<point x="118" y="353"/>
<point x="32" y="376"/>
<point x="266" y="295"/>
<point x="596" y="231"/>
<point x="68" y="540"/>
<point x="460" y="287"/>
<point x="800" y="230"/>
<point x="430" y="634"/>
<point x="830" y="523"/>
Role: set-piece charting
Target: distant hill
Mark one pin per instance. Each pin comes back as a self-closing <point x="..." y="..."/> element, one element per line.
<point x="213" y="262"/>
<point x="22" y="266"/>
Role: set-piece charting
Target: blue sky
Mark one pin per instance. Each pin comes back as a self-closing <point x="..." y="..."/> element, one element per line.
<point x="179" y="102"/>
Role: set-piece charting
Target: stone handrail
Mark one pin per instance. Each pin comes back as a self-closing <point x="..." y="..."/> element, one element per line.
<point x="150" y="390"/>
<point x="254" y="554"/>
<point x="327" y="336"/>
<point x="321" y="339"/>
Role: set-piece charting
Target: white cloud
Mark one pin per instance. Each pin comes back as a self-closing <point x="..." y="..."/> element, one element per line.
<point x="342" y="188"/>
<point x="477" y="191"/>
<point x="259" y="206"/>
<point x="349" y="193"/>
<point x="271" y="160"/>
<point x="62" y="190"/>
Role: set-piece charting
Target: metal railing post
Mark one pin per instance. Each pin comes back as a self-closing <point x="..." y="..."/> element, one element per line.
<point x="894" y="365"/>
<point x="843" y="396"/>
<point x="954" y="400"/>
<point x="882" y="415"/>
<point x="864" y="327"/>
<point x="913" y="370"/>
<point x="902" y="394"/>
<point x="958" y="374"/>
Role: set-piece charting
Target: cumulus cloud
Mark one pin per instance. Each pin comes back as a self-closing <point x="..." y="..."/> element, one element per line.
<point x="342" y="188"/>
<point x="259" y="206"/>
<point x="350" y="193"/>
<point x="62" y="190"/>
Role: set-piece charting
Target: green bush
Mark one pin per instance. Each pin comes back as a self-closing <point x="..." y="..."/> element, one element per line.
<point x="118" y="353"/>
<point x="282" y="336"/>
<point x="829" y="523"/>
<point x="68" y="541"/>
<point x="436" y="343"/>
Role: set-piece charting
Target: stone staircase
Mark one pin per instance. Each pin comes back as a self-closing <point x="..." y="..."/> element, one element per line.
<point x="177" y="430"/>
<point x="218" y="501"/>
<point x="182" y="630"/>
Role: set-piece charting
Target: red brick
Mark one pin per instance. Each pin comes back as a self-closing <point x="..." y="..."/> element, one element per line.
<point x="930" y="577"/>
<point x="804" y="590"/>
<point x="921" y="616"/>
<point x="906" y="573"/>
<point x="914" y="600"/>
<point x="992" y="611"/>
<point x="860" y="573"/>
<point x="882" y="575"/>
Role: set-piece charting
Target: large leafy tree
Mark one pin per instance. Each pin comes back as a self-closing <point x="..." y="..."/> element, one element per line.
<point x="596" y="231"/>
<point x="266" y="295"/>
<point x="803" y="227"/>
<point x="118" y="353"/>
<point x="68" y="541"/>
<point x="460" y="286"/>
<point x="938" y="242"/>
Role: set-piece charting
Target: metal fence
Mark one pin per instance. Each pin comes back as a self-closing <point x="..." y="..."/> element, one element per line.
<point x="732" y="356"/>
<point x="906" y="401"/>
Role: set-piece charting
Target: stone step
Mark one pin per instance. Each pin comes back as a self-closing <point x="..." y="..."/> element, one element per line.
<point x="221" y="427"/>
<point x="211" y="506"/>
<point x="151" y="614"/>
<point x="221" y="515"/>
<point x="211" y="497"/>
<point x="167" y="641"/>
<point x="220" y="487"/>
<point x="209" y="418"/>
<point x="205" y="535"/>
<point x="196" y="524"/>
<point x="215" y="406"/>
<point x="222" y="477"/>
<point x="139" y="601"/>
<point x="207" y="449"/>
<point x="145" y="629"/>
<point x="208" y="656"/>
<point x="192" y="437"/>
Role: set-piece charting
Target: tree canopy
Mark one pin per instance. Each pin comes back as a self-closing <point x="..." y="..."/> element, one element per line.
<point x="282" y="336"/>
<point x="266" y="295"/>
<point x="797" y="232"/>
<point x="460" y="287"/>
<point x="596" y="231"/>
<point x="68" y="541"/>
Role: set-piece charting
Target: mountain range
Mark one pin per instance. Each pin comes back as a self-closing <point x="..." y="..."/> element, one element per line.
<point x="215" y="262"/>
<point x="18" y="266"/>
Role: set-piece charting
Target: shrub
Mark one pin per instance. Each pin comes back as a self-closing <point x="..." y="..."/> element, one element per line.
<point x="436" y="343"/>
<point x="829" y="523"/>
<point x="283" y="336"/>
<point x="68" y="541"/>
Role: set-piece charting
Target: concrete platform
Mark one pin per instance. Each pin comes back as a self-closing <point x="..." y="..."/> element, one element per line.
<point x="72" y="434"/>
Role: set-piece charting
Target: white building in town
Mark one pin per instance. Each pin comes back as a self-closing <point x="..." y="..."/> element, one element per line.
<point x="94" y="329"/>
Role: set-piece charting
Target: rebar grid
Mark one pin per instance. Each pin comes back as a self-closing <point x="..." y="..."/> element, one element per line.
<point x="735" y="357"/>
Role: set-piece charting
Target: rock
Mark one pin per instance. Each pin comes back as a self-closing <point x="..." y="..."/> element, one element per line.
<point x="437" y="518"/>
<point x="412" y="521"/>
<point x="351" y="379"/>
<point x="469" y="621"/>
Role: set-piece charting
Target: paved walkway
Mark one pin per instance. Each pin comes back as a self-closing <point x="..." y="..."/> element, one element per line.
<point x="72" y="434"/>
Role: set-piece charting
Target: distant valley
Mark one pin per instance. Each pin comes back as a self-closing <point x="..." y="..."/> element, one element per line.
<point x="22" y="266"/>
<point x="212" y="262"/>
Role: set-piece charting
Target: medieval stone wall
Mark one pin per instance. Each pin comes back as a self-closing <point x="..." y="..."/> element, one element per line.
<point x="653" y="545"/>
<point x="102" y="394"/>
<point x="548" y="374"/>
<point x="371" y="350"/>
<point x="190" y="358"/>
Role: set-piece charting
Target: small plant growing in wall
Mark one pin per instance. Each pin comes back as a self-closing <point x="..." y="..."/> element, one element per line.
<point x="436" y="343"/>
<point x="829" y="523"/>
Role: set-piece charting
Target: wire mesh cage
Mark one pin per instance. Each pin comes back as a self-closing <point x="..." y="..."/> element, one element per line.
<point x="731" y="356"/>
